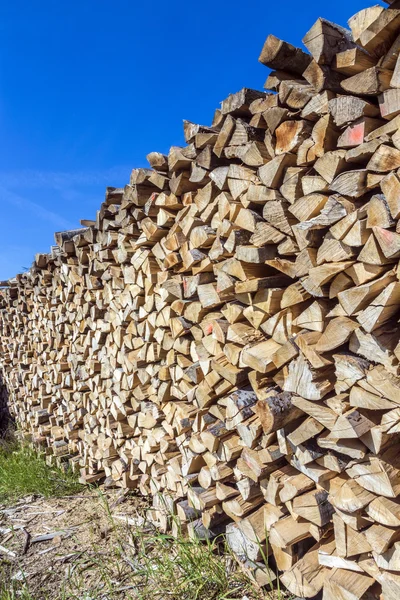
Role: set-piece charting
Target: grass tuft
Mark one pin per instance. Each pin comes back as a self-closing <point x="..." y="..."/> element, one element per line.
<point x="23" y="471"/>
<point x="186" y="568"/>
<point x="161" y="566"/>
<point x="15" y="591"/>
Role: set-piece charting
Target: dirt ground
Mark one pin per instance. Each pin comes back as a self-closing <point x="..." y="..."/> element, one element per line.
<point x="82" y="547"/>
<point x="55" y="545"/>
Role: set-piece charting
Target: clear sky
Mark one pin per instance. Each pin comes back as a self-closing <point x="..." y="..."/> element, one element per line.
<point x="88" y="88"/>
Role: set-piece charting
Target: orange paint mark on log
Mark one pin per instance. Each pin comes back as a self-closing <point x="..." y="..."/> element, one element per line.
<point x="356" y="135"/>
<point x="385" y="233"/>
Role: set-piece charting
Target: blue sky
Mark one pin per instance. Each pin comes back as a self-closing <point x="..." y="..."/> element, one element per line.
<point x="88" y="88"/>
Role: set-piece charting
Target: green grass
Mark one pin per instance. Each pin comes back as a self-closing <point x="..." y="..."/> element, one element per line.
<point x="160" y="566"/>
<point x="23" y="471"/>
<point x="14" y="592"/>
<point x="185" y="568"/>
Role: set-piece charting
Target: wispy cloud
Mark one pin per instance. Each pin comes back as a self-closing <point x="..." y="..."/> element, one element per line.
<point x="36" y="209"/>
<point x="63" y="179"/>
<point x="15" y="259"/>
<point x="46" y="201"/>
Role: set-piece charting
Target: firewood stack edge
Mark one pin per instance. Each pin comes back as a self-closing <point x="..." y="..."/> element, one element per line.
<point x="224" y="336"/>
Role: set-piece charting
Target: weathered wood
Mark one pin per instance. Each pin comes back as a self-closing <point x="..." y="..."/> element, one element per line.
<point x="370" y="82"/>
<point x="325" y="39"/>
<point x="279" y="55"/>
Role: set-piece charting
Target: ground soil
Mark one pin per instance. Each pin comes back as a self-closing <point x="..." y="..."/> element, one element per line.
<point x="82" y="525"/>
<point x="83" y="555"/>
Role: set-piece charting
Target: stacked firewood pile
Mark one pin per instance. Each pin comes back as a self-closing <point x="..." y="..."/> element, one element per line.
<point x="224" y="336"/>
